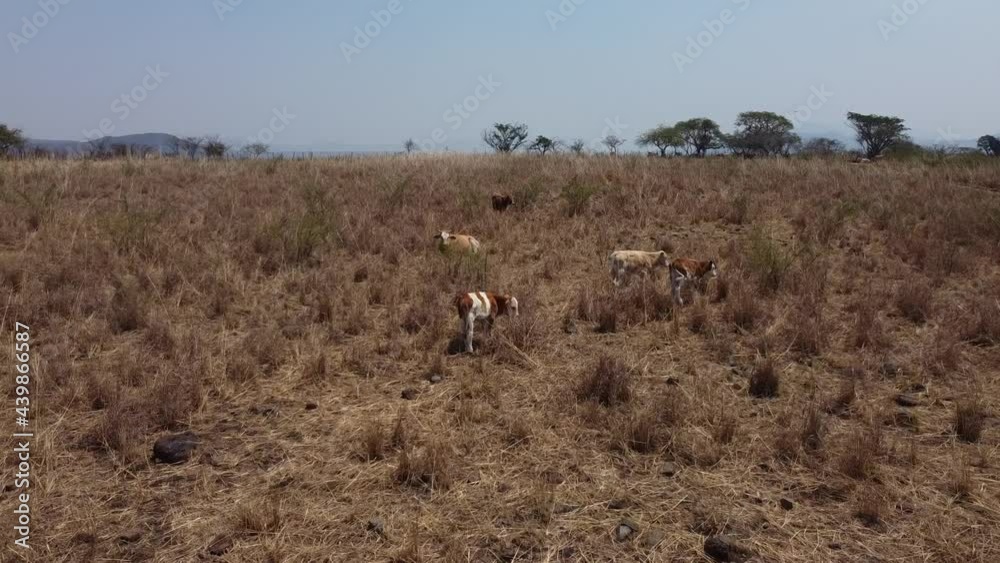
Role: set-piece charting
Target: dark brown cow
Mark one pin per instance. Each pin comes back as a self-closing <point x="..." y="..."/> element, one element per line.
<point x="502" y="202"/>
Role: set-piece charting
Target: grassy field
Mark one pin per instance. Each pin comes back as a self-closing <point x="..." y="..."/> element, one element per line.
<point x="832" y="396"/>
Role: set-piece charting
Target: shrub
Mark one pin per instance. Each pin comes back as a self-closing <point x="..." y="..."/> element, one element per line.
<point x="767" y="261"/>
<point x="813" y="428"/>
<point x="861" y="451"/>
<point x="868" y="331"/>
<point x="979" y="325"/>
<point x="969" y="420"/>
<point x="765" y="382"/>
<point x="372" y="442"/>
<point x="742" y="308"/>
<point x="576" y="197"/>
<point x="634" y="305"/>
<point x="127" y="313"/>
<point x="698" y="320"/>
<point x="869" y="506"/>
<point x="638" y="432"/>
<point x="914" y="300"/>
<point x="253" y="519"/>
<point x="608" y="384"/>
<point x="428" y="467"/>
<point x="959" y="482"/>
<point x="809" y="329"/>
<point x="842" y="400"/>
<point x="294" y="238"/>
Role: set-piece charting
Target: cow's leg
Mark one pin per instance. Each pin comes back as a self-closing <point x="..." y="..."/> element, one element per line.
<point x="470" y="323"/>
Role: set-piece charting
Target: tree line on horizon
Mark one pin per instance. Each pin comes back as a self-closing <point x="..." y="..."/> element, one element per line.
<point x="756" y="134"/>
<point x="14" y="143"/>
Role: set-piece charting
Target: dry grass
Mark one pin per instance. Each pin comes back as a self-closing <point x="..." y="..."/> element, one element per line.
<point x="296" y="317"/>
<point x="765" y="381"/>
<point x="970" y="419"/>
<point x="609" y="383"/>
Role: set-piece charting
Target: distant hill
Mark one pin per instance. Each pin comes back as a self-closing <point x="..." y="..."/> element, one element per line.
<point x="151" y="142"/>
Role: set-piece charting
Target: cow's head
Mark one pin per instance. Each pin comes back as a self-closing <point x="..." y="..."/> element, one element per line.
<point x="443" y="236"/>
<point x="512" y="305"/>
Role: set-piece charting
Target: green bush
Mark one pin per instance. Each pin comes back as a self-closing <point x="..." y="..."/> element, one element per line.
<point x="295" y="238"/>
<point x="768" y="262"/>
<point x="577" y="197"/>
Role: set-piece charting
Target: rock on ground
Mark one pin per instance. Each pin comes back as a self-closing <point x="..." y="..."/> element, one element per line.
<point x="175" y="448"/>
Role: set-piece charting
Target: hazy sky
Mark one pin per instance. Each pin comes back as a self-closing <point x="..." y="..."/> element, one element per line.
<point x="569" y="69"/>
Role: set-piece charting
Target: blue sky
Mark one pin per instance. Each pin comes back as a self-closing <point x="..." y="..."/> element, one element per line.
<point x="568" y="68"/>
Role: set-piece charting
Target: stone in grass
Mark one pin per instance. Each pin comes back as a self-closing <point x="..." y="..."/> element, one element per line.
<point x="175" y="448"/>
<point x="907" y="400"/>
<point x="652" y="538"/>
<point x="626" y="529"/>
<point x="786" y="504"/>
<point x="130" y="536"/>
<point x="670" y="469"/>
<point x="220" y="545"/>
<point x="376" y="526"/>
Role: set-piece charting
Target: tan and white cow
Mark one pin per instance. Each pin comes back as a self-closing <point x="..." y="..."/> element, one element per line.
<point x="482" y="305"/>
<point x="626" y="263"/>
<point x="448" y="243"/>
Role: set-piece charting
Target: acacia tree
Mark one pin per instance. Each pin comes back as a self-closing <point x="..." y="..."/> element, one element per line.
<point x="700" y="135"/>
<point x="877" y="133"/>
<point x="215" y="148"/>
<point x="256" y="150"/>
<point x="762" y="133"/>
<point x="989" y="145"/>
<point x="410" y="145"/>
<point x="578" y="146"/>
<point x="10" y="139"/>
<point x="189" y="146"/>
<point x="613" y="142"/>
<point x="544" y="145"/>
<point x="506" y="137"/>
<point x="663" y="137"/>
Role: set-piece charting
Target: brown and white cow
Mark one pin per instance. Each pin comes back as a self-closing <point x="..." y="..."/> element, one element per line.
<point x="689" y="270"/>
<point x="625" y="263"/>
<point x="482" y="305"/>
<point x="448" y="243"/>
<point x="502" y="202"/>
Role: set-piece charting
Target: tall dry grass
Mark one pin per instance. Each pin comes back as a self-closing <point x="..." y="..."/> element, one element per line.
<point x="295" y="316"/>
